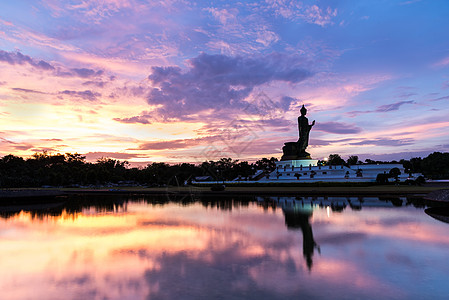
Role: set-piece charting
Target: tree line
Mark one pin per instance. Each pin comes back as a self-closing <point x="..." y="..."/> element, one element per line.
<point x="44" y="169"/>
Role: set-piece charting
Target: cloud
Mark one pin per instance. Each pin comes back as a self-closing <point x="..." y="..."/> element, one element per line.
<point x="17" y="146"/>
<point x="296" y="10"/>
<point x="217" y="82"/>
<point x="442" y="63"/>
<point x="17" y="58"/>
<point x="382" y="108"/>
<point x="92" y="10"/>
<point x="225" y="16"/>
<point x="395" y="156"/>
<point x="91" y="156"/>
<point x="393" y="106"/>
<point x="85" y="73"/>
<point x="144" y="118"/>
<point x="86" y="95"/>
<point x="440" y="98"/>
<point x="237" y="32"/>
<point x="337" y="127"/>
<point x="384" y="142"/>
<point x="316" y="15"/>
<point x="176" y="144"/>
<point x="100" y="84"/>
<point x="6" y="23"/>
<point x="78" y="72"/>
<point x="27" y="91"/>
<point x="13" y="58"/>
<point x="44" y="149"/>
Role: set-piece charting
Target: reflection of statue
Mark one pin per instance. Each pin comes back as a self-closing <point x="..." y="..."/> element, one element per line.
<point x="297" y="219"/>
<point x="304" y="129"/>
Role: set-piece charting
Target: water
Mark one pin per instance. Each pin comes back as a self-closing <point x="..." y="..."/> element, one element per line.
<point x="226" y="248"/>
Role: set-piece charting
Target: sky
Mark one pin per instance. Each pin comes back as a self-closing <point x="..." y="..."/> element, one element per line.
<point x="188" y="81"/>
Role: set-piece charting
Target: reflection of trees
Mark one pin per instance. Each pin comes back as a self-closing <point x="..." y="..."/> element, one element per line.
<point x="396" y="201"/>
<point x="118" y="203"/>
<point x="69" y="206"/>
<point x="295" y="219"/>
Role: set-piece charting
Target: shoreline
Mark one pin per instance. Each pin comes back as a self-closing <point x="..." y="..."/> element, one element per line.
<point x="230" y="190"/>
<point x="29" y="196"/>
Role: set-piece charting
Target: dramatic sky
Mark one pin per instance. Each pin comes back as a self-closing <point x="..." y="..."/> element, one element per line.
<point x="188" y="81"/>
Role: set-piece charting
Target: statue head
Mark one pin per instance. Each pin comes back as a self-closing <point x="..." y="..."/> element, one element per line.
<point x="303" y="110"/>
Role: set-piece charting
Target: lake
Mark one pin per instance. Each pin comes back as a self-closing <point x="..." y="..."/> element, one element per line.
<point x="157" y="247"/>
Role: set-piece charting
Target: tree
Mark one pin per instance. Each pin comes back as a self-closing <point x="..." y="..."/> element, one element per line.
<point x="266" y="164"/>
<point x="436" y="165"/>
<point x="353" y="160"/>
<point x="394" y="173"/>
<point x="382" y="178"/>
<point x="335" y="159"/>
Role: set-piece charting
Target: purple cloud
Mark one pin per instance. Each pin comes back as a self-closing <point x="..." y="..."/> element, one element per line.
<point x="337" y="127"/>
<point x="384" y="142"/>
<point x="13" y="58"/>
<point x="27" y="91"/>
<point x="217" y="82"/>
<point x="87" y="94"/>
<point x="319" y="142"/>
<point x="44" y="149"/>
<point x="17" y="146"/>
<point x="78" y="72"/>
<point x="393" y="106"/>
<point x="144" y="118"/>
<point x="100" y="84"/>
<point x="440" y="98"/>
<point x="44" y="65"/>
<point x="382" y="108"/>
<point x="177" y="144"/>
<point x="86" y="73"/>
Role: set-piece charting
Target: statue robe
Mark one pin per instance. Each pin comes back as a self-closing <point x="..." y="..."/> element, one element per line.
<point x="304" y="129"/>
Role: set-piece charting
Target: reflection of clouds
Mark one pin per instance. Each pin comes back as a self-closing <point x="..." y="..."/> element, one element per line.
<point x="342" y="238"/>
<point x="399" y="258"/>
<point x="187" y="278"/>
<point x="192" y="252"/>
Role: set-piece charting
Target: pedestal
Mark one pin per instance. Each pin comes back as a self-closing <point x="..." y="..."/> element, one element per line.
<point x="291" y="152"/>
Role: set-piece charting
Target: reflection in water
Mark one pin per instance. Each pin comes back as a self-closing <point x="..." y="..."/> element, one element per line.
<point x="296" y="218"/>
<point x="233" y="248"/>
<point x="439" y="213"/>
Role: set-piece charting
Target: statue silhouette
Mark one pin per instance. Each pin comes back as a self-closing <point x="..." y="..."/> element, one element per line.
<point x="304" y="130"/>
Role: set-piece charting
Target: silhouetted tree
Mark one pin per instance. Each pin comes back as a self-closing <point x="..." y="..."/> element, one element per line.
<point x="436" y="165"/>
<point x="394" y="173"/>
<point x="266" y="164"/>
<point x="335" y="159"/>
<point x="352" y="160"/>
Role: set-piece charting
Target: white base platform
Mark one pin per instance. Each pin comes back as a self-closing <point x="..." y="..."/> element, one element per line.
<point x="297" y="163"/>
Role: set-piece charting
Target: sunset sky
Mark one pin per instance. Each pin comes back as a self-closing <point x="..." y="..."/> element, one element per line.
<point x="188" y="81"/>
